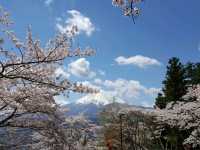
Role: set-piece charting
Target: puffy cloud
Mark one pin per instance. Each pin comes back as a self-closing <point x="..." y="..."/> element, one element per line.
<point x="81" y="68"/>
<point x="60" y="72"/>
<point x="129" y="89"/>
<point x="101" y="98"/>
<point x="152" y="91"/>
<point x="138" y="60"/>
<point x="77" y="19"/>
<point x="120" y="90"/>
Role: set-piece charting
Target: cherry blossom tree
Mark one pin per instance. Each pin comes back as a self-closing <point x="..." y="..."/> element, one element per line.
<point x="29" y="84"/>
<point x="183" y="116"/>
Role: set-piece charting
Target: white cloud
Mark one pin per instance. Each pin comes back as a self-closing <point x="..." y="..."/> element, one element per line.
<point x="60" y="72"/>
<point x="48" y="2"/>
<point x="101" y="98"/>
<point x="131" y="91"/>
<point x="129" y="88"/>
<point x="120" y="90"/>
<point x="152" y="91"/>
<point x="138" y="60"/>
<point x="77" y="19"/>
<point x="81" y="68"/>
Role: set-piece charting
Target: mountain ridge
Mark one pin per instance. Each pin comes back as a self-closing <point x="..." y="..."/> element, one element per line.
<point x="91" y="111"/>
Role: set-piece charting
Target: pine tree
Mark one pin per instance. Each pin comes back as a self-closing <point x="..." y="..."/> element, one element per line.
<point x="174" y="84"/>
<point x="193" y="73"/>
<point x="161" y="101"/>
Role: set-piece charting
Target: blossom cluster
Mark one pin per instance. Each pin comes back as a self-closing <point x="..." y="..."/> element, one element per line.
<point x="129" y="7"/>
<point x="183" y="115"/>
<point x="29" y="83"/>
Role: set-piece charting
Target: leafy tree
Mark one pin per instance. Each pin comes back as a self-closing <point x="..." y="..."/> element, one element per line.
<point x="174" y="83"/>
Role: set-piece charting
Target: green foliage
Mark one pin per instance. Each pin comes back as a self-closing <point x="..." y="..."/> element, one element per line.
<point x="174" y="84"/>
<point x="178" y="78"/>
<point x="161" y="101"/>
<point x="193" y="73"/>
<point x="1" y="40"/>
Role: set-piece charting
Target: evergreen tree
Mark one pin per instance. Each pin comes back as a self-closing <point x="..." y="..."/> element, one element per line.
<point x="193" y="73"/>
<point x="174" y="84"/>
<point x="161" y="101"/>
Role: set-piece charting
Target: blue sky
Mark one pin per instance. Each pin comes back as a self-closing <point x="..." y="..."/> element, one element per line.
<point x="164" y="29"/>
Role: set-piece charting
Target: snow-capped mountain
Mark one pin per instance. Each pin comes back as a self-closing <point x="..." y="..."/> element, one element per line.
<point x="91" y="105"/>
<point x="100" y="98"/>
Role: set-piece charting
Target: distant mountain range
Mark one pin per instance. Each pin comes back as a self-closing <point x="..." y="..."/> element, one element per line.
<point x="91" y="110"/>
